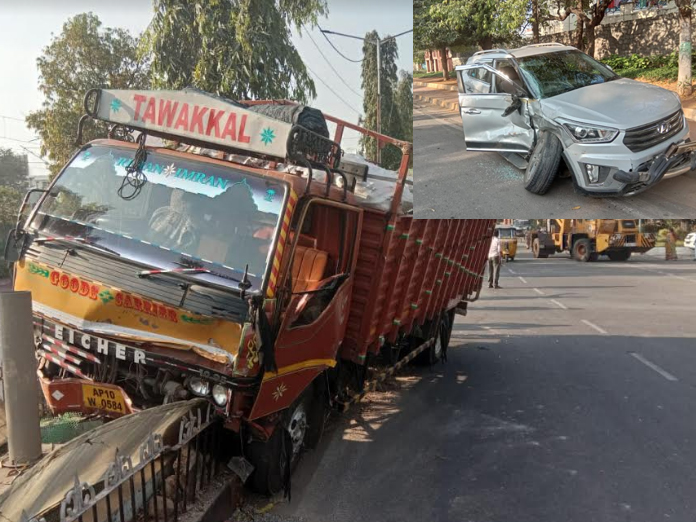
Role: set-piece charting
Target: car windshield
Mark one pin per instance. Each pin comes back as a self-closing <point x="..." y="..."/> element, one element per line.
<point x="551" y="74"/>
<point x="188" y="213"/>
<point x="506" y="233"/>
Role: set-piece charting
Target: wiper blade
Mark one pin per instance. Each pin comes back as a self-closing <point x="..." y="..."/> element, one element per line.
<point x="81" y="240"/>
<point x="188" y="270"/>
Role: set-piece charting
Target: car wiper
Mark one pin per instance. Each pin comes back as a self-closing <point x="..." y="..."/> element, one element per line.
<point x="80" y="240"/>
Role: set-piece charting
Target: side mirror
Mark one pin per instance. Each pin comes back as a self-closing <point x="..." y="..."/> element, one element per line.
<point x="515" y="105"/>
<point x="30" y="199"/>
<point x="14" y="245"/>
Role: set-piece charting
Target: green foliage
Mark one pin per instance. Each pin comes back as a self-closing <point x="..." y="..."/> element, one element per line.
<point x="82" y="57"/>
<point x="419" y="57"/>
<point x="14" y="182"/>
<point x="391" y="113"/>
<point x="650" y="68"/>
<point x="404" y="105"/>
<point x="241" y="50"/>
<point x="10" y="200"/>
<point x="14" y="171"/>
<point x="440" y="23"/>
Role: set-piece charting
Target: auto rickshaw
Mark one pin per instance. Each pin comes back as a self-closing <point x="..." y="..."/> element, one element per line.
<point x="508" y="242"/>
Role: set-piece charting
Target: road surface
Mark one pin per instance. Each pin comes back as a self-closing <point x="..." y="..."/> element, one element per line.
<point x="450" y="182"/>
<point x="568" y="396"/>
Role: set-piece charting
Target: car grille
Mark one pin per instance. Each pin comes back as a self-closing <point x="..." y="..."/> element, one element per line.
<point x="646" y="136"/>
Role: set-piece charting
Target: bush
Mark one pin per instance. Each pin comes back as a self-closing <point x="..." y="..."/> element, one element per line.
<point x="651" y="68"/>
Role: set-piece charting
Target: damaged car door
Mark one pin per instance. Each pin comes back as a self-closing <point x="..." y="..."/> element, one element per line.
<point x="493" y="107"/>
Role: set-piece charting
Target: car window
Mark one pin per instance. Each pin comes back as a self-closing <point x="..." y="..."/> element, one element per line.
<point x="508" y="69"/>
<point x="476" y="80"/>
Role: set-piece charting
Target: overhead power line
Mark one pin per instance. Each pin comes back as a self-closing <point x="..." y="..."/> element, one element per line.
<point x="336" y="49"/>
<point x="334" y="92"/>
<point x="332" y="67"/>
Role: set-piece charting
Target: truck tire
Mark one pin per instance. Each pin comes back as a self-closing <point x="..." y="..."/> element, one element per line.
<point x="543" y="163"/>
<point x="442" y="337"/>
<point x="536" y="250"/>
<point x="622" y="255"/>
<point x="270" y="458"/>
<point x="582" y="250"/>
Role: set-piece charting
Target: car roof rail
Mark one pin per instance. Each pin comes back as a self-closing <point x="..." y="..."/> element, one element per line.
<point x="547" y="44"/>
<point x="485" y="51"/>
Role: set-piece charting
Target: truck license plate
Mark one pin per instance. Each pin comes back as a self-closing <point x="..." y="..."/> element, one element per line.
<point x="630" y="244"/>
<point x="103" y="398"/>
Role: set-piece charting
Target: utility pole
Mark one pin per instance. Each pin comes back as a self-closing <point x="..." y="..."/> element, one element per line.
<point x="378" y="152"/>
<point x="377" y="43"/>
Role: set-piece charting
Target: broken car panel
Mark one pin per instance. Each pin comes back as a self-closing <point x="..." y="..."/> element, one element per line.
<point x="617" y="136"/>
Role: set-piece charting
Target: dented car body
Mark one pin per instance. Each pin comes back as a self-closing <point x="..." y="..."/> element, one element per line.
<point x="616" y="135"/>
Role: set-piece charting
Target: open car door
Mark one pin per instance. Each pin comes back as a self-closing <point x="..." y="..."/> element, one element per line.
<point x="493" y="108"/>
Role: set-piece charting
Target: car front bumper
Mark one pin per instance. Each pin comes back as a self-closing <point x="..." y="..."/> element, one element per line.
<point x="628" y="173"/>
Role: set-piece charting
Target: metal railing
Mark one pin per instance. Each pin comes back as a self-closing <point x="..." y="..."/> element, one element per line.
<point x="162" y="485"/>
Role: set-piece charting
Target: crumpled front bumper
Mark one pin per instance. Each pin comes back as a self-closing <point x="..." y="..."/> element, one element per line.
<point x="677" y="160"/>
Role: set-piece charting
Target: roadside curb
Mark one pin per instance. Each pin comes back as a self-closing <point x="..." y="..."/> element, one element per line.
<point x="435" y="86"/>
<point x="449" y="105"/>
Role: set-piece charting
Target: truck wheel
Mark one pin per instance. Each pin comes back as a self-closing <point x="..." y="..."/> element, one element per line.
<point x="271" y="458"/>
<point x="582" y="250"/>
<point x="543" y="163"/>
<point x="536" y="250"/>
<point x="622" y="255"/>
<point x="442" y="337"/>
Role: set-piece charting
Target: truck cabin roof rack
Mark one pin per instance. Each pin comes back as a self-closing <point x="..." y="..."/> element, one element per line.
<point x="203" y="120"/>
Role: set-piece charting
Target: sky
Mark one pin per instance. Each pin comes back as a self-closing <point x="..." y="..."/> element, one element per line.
<point x="28" y="27"/>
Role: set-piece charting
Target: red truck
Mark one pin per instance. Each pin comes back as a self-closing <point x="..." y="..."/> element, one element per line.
<point x="254" y="263"/>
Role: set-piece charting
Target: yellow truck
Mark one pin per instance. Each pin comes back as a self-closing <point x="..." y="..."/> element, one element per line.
<point x="587" y="239"/>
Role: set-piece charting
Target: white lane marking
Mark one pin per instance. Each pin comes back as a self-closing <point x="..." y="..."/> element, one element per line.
<point x="559" y="304"/>
<point x="592" y="325"/>
<point x="538" y="291"/>
<point x="522" y="279"/>
<point x="654" y="366"/>
<point x="512" y="271"/>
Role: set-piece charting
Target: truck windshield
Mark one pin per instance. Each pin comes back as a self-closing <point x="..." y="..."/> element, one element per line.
<point x="551" y="74"/>
<point x="188" y="213"/>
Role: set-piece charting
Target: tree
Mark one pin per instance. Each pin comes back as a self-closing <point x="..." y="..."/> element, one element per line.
<point x="82" y="57"/>
<point x="588" y="16"/>
<point x="434" y="28"/>
<point x="438" y="24"/>
<point x="14" y="181"/>
<point x="684" y="85"/>
<point x="404" y="103"/>
<point x="240" y="50"/>
<point x="14" y="171"/>
<point x="391" y="118"/>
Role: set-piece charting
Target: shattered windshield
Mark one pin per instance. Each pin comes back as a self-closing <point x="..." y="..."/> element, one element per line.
<point x="188" y="213"/>
<point x="555" y="73"/>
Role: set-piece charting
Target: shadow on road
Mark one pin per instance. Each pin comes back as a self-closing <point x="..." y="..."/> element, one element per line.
<point x="504" y="431"/>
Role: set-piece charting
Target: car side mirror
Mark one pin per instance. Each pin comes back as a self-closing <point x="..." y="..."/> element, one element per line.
<point x="515" y="105"/>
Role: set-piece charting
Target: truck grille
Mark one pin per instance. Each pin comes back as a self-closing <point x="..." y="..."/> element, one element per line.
<point x="646" y="136"/>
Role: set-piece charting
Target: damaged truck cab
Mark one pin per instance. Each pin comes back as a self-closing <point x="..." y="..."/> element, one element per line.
<point x="545" y="102"/>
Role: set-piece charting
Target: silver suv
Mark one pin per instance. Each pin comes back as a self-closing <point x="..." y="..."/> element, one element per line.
<point x="544" y="101"/>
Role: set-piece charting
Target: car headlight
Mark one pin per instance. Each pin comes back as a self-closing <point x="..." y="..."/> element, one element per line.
<point x="584" y="133"/>
<point x="220" y="395"/>
<point x="198" y="386"/>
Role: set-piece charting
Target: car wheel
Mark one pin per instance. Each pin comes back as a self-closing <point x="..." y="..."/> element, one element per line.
<point x="582" y="250"/>
<point x="543" y="163"/>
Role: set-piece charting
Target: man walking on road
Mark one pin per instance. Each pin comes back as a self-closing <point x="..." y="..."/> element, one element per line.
<point x="494" y="260"/>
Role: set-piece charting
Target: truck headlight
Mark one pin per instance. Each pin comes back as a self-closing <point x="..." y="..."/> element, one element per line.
<point x="584" y="133"/>
<point x="220" y="395"/>
<point x="198" y="386"/>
